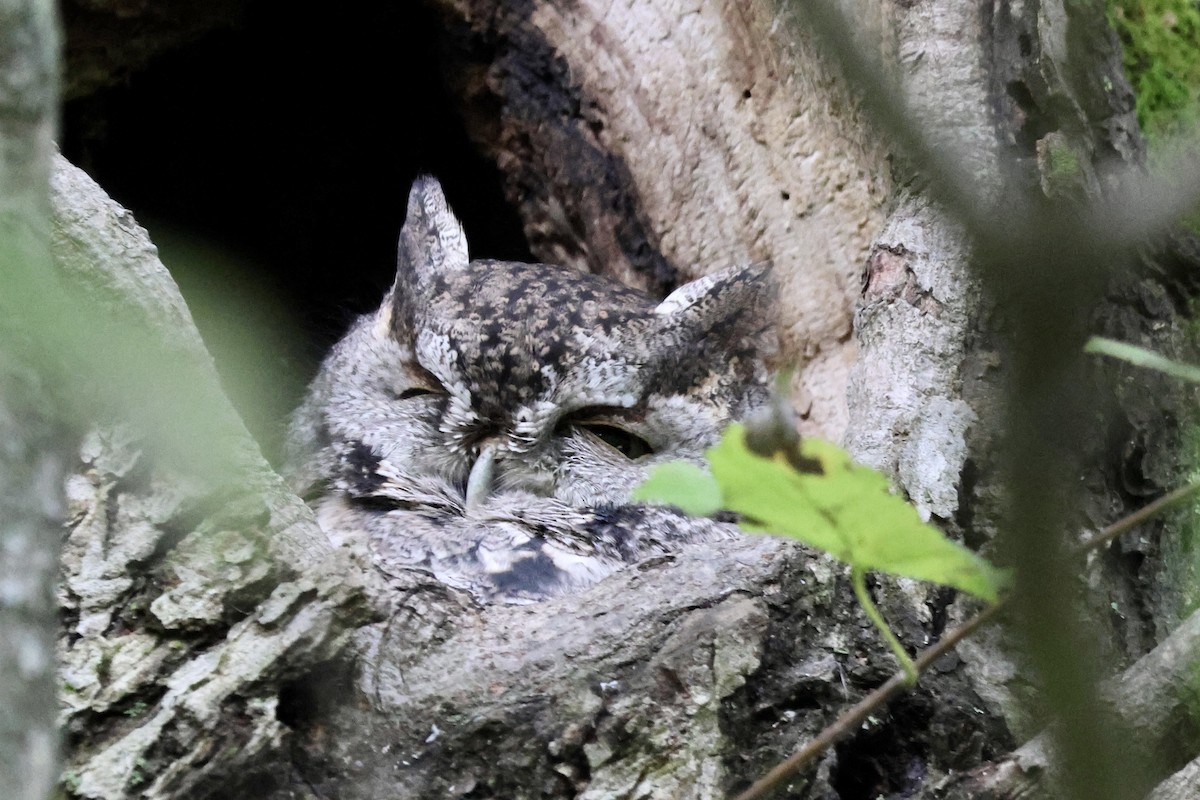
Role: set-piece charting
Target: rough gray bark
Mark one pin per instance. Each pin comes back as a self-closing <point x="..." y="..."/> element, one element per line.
<point x="650" y="142"/>
<point x="658" y="141"/>
<point x="192" y="586"/>
<point x="937" y="363"/>
<point x="1183" y="785"/>
<point x="1152" y="697"/>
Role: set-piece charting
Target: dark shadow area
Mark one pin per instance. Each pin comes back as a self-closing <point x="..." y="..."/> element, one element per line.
<point x="885" y="759"/>
<point x="271" y="163"/>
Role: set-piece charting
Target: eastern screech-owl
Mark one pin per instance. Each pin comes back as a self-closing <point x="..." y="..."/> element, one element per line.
<point x="488" y="423"/>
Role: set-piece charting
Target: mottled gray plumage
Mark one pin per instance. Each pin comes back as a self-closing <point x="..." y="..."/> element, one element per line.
<point x="489" y="421"/>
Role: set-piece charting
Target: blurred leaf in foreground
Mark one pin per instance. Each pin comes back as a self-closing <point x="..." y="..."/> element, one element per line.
<point x="836" y="505"/>
<point x="1141" y="357"/>
<point x="683" y="485"/>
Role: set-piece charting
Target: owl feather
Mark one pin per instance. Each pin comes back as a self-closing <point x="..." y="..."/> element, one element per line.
<point x="488" y="422"/>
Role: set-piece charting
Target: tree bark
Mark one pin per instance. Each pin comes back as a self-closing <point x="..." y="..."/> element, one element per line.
<point x="578" y="102"/>
<point x="215" y="646"/>
<point x="194" y="584"/>
<point x="31" y="450"/>
<point x="655" y="142"/>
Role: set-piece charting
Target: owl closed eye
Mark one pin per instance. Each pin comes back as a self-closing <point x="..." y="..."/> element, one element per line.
<point x="488" y="423"/>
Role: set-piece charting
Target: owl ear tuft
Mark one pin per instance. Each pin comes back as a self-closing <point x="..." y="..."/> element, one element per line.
<point x="727" y="317"/>
<point x="432" y="243"/>
<point x="737" y="296"/>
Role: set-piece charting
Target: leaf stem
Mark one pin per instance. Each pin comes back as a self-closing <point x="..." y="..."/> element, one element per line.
<point x="858" y="577"/>
<point x="853" y="717"/>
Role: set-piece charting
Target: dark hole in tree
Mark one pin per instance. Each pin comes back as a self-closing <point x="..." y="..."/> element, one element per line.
<point x="271" y="163"/>
<point x="880" y="761"/>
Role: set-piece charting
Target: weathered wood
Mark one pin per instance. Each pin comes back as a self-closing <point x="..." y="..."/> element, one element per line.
<point x="938" y="363"/>
<point x="658" y="141"/>
<point x="649" y="141"/>
<point x="190" y="594"/>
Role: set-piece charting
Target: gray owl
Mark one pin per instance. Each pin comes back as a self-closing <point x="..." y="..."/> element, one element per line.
<point x="488" y="423"/>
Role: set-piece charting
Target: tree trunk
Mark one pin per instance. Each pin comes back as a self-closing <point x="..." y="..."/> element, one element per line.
<point x="656" y="142"/>
<point x="31" y="449"/>
<point x="194" y="583"/>
<point x="216" y="646"/>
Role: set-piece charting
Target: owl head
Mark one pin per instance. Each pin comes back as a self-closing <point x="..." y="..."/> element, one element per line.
<point x="479" y="380"/>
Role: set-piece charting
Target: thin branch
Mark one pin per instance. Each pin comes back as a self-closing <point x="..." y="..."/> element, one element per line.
<point x="1138" y="517"/>
<point x="853" y="717"/>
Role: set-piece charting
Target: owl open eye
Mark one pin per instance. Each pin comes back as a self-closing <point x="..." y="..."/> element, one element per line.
<point x="618" y="438"/>
<point x="415" y="391"/>
<point x="629" y="445"/>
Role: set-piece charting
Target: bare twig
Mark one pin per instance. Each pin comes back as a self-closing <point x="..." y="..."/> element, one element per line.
<point x="1138" y="517"/>
<point x="1045" y="264"/>
<point x="852" y="718"/>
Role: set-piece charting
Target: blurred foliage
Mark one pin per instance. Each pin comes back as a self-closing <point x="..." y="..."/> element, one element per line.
<point x="1185" y="566"/>
<point x="1161" y="40"/>
<point x="255" y="340"/>
<point x="1161" y="43"/>
<point x="100" y="356"/>
<point x="1142" y="357"/>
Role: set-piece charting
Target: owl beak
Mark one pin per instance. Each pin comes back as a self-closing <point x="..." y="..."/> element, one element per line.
<point x="479" y="483"/>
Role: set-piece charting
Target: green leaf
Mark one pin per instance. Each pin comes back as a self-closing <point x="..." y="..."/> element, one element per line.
<point x="682" y="485"/>
<point x="845" y="509"/>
